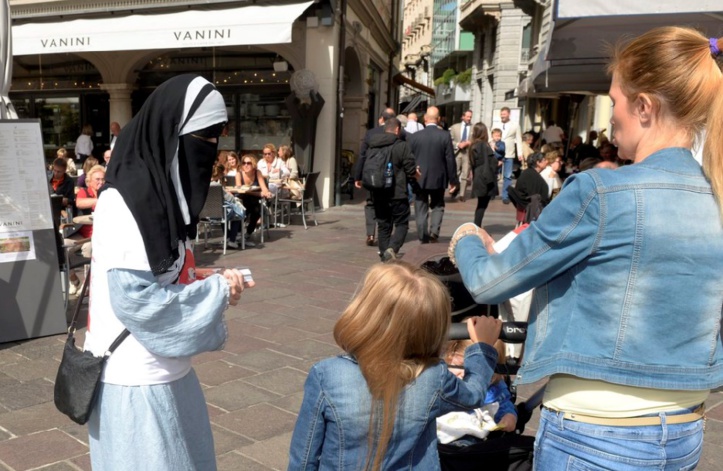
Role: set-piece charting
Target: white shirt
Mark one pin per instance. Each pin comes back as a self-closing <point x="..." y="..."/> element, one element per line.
<point x="553" y="180"/>
<point x="117" y="243"/>
<point x="413" y="126"/>
<point x="275" y="169"/>
<point x="553" y="134"/>
<point x="83" y="145"/>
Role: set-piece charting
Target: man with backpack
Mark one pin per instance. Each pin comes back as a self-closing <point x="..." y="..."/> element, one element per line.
<point x="369" y="208"/>
<point x="387" y="168"/>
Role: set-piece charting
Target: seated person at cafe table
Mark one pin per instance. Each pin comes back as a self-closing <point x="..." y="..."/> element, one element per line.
<point x="62" y="183"/>
<point x="272" y="167"/>
<point x="250" y="176"/>
<point x="86" y="200"/>
<point x="235" y="211"/>
<point x="89" y="163"/>
<point x="231" y="164"/>
<point x="287" y="156"/>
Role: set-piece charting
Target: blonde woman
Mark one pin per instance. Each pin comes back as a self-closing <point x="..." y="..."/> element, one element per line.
<point x="287" y="156"/>
<point x="89" y="163"/>
<point x="375" y="405"/>
<point x="625" y="319"/>
<point x="63" y="154"/>
<point x="231" y="164"/>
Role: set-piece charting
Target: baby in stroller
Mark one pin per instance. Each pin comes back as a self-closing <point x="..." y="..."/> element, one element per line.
<point x="498" y="412"/>
<point x="502" y="446"/>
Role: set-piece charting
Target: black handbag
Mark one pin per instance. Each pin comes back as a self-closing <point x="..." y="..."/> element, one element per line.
<point x="76" y="383"/>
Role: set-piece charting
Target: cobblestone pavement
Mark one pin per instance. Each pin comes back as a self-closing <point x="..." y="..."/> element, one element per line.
<point x="254" y="386"/>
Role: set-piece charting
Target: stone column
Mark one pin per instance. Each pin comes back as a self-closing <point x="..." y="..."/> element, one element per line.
<point x="120" y="101"/>
<point x="322" y="59"/>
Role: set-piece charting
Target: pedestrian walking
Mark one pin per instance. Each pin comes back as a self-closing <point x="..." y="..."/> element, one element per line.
<point x="432" y="149"/>
<point x="391" y="204"/>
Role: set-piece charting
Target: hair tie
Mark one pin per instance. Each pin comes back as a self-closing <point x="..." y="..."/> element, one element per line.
<point x="714" y="47"/>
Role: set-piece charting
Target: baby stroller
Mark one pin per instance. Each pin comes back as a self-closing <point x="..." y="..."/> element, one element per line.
<point x="499" y="450"/>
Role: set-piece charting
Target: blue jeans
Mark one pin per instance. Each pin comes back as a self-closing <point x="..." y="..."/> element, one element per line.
<point x="507" y="176"/>
<point x="568" y="445"/>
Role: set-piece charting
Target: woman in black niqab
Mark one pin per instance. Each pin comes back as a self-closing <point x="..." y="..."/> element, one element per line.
<point x="162" y="164"/>
<point x="150" y="411"/>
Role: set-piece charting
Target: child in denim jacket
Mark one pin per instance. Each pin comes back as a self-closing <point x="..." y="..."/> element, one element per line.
<point x="374" y="407"/>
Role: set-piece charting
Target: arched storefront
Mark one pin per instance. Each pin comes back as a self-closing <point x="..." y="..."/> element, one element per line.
<point x="254" y="82"/>
<point x="354" y="117"/>
<point x="63" y="91"/>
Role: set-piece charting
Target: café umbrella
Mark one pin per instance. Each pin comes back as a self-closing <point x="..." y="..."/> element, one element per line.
<point x="7" y="111"/>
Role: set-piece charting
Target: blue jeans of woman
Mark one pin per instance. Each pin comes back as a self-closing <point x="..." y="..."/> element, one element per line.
<point x="563" y="444"/>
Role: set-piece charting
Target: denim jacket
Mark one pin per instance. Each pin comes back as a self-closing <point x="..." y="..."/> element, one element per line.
<point x="333" y="426"/>
<point x="627" y="269"/>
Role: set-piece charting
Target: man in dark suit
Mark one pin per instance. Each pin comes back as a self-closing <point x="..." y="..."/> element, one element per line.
<point x="369" y="208"/>
<point x="434" y="154"/>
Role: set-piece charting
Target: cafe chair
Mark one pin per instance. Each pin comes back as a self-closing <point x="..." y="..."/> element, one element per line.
<point x="308" y="194"/>
<point x="214" y="214"/>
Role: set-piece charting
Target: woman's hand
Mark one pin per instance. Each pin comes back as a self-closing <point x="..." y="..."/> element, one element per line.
<point x="487" y="240"/>
<point x="266" y="194"/>
<point x="507" y="423"/>
<point x="483" y="329"/>
<point x="235" y="284"/>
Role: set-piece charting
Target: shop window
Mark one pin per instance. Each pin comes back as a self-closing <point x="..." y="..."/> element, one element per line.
<point x="254" y="91"/>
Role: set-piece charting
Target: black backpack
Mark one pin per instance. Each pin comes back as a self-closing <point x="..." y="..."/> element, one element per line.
<point x="374" y="166"/>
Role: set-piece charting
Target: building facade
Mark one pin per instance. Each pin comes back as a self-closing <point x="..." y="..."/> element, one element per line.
<point x="96" y="61"/>
<point x="415" y="57"/>
<point x="452" y="59"/>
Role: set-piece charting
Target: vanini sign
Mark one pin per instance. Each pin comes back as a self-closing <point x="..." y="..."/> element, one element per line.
<point x="246" y="25"/>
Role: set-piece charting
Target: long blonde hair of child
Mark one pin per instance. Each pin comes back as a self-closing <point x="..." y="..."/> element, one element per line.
<point x="395" y="327"/>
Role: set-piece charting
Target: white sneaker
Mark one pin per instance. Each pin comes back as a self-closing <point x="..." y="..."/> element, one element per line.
<point x="232" y="244"/>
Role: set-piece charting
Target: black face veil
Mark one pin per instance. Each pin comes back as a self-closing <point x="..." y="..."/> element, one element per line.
<point x="162" y="163"/>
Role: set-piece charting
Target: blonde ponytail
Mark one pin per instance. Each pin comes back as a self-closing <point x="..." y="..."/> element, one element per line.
<point x="713" y="147"/>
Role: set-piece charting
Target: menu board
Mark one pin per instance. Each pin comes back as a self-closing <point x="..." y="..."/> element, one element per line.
<point x="24" y="204"/>
<point x="31" y="303"/>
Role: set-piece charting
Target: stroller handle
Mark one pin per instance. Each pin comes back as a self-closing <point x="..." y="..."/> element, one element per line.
<point x="512" y="332"/>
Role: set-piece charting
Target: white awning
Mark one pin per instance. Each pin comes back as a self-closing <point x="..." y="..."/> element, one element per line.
<point x="246" y="25"/>
<point x="573" y="57"/>
<point x="596" y="8"/>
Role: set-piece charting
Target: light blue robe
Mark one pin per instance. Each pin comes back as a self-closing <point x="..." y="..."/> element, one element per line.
<point x="165" y="426"/>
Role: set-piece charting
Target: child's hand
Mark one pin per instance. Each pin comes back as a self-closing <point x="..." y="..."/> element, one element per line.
<point x="483" y="329"/>
<point x="507" y="423"/>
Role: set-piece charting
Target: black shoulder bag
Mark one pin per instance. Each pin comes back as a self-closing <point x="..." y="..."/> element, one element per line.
<point x="76" y="384"/>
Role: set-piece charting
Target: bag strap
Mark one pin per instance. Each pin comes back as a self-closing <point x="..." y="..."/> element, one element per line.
<point x="71" y="328"/>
